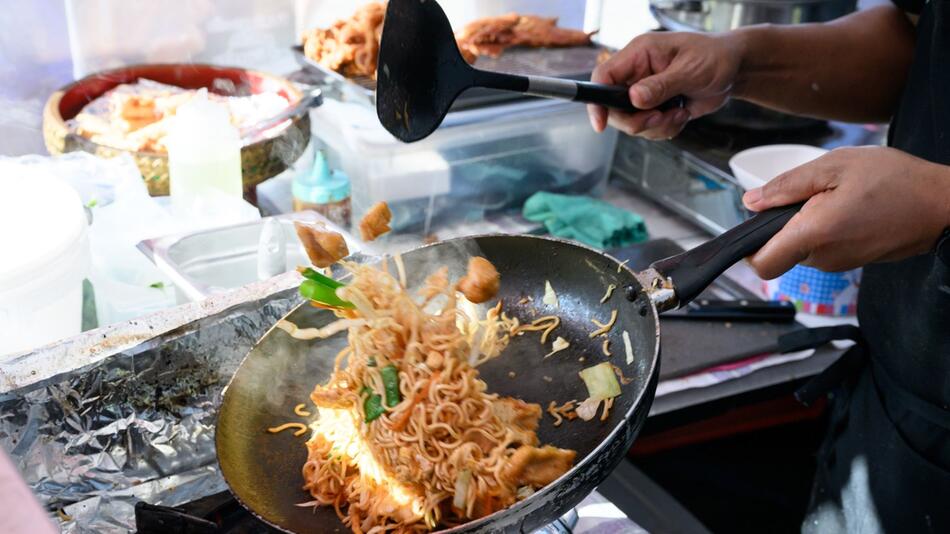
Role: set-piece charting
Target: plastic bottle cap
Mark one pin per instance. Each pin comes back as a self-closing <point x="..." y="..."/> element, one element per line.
<point x="322" y="186"/>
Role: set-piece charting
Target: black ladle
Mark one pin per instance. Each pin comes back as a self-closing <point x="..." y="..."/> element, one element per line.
<point x="420" y="73"/>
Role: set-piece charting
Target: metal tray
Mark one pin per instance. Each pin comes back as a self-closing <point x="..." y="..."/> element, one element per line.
<point x="576" y="63"/>
<point x="213" y="261"/>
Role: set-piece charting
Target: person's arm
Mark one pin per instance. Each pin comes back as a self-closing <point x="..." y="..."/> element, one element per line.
<point x="851" y="69"/>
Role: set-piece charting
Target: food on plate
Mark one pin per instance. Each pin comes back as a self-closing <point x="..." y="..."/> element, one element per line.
<point x="137" y="116"/>
<point x="351" y="46"/>
<point x="376" y="221"/>
<point x="481" y="282"/>
<point x="408" y="437"/>
<point x="490" y="36"/>
<point x="324" y="247"/>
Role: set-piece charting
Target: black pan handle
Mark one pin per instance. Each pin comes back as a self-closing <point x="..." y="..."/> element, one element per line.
<point x="692" y="271"/>
<point x="613" y="96"/>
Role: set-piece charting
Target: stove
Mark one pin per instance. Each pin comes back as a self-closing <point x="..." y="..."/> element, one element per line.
<point x="221" y="513"/>
<point x="690" y="174"/>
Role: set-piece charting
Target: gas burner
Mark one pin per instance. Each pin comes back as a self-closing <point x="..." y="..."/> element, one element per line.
<point x="221" y="513"/>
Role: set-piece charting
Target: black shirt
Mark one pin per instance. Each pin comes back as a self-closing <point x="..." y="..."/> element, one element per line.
<point x="904" y="307"/>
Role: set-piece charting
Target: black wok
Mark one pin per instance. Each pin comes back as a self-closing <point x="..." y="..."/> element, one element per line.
<point x="263" y="470"/>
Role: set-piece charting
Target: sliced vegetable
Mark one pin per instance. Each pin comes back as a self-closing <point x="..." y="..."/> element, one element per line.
<point x="373" y="407"/>
<point x="311" y="274"/>
<point x="550" y="297"/>
<point x="323" y="294"/>
<point x="628" y="347"/>
<point x="391" y="384"/>
<point x="462" y="483"/>
<point x="601" y="381"/>
<point x="559" y="344"/>
<point x="371" y="362"/>
<point x="588" y="409"/>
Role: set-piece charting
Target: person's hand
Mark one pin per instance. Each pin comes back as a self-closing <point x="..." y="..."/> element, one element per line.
<point x="659" y="66"/>
<point x="864" y="205"/>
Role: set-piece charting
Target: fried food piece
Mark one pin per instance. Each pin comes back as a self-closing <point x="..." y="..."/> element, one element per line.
<point x="137" y="111"/>
<point x="537" y="467"/>
<point x="490" y="36"/>
<point x="481" y="282"/>
<point x="350" y="46"/>
<point x="324" y="248"/>
<point x="376" y="221"/>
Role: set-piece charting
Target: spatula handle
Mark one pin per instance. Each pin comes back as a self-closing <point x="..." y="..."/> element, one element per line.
<point x="618" y="97"/>
<point x="612" y="96"/>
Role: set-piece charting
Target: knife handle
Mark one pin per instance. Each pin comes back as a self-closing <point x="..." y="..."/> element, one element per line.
<point x="736" y="310"/>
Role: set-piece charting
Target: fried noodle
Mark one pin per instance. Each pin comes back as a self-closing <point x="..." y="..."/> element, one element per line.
<point x="448" y="451"/>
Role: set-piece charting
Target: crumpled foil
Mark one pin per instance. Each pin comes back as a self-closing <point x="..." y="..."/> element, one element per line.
<point x="136" y="425"/>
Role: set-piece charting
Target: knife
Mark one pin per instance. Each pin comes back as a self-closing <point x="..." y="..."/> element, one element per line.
<point x="736" y="310"/>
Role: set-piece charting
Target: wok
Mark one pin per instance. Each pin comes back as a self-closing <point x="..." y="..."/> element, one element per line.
<point x="263" y="470"/>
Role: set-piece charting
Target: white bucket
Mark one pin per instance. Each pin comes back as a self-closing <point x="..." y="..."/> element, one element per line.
<point x="45" y="257"/>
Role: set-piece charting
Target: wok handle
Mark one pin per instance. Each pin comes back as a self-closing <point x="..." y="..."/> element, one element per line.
<point x="692" y="271"/>
<point x="612" y="96"/>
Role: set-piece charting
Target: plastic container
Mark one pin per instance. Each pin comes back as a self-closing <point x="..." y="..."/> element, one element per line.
<point x="813" y="291"/>
<point x="480" y="162"/>
<point x="45" y="259"/>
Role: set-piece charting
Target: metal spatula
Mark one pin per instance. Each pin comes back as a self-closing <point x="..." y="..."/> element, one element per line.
<point x="420" y="73"/>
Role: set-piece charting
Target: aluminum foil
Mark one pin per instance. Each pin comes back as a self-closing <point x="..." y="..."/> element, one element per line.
<point x="95" y="437"/>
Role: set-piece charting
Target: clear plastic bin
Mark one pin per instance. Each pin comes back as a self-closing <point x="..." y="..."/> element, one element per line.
<point x="479" y="163"/>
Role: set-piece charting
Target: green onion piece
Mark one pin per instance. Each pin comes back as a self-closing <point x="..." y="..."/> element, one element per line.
<point x="601" y="381"/>
<point x="310" y="274"/>
<point x="391" y="384"/>
<point x="373" y="407"/>
<point x="323" y="294"/>
<point x="371" y="362"/>
<point x="366" y="391"/>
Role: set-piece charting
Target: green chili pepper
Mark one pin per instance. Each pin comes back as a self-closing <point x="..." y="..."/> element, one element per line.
<point x="391" y="384"/>
<point x="373" y="407"/>
<point x="313" y="290"/>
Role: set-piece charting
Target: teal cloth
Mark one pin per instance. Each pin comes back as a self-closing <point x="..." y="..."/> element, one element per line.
<point x="588" y="220"/>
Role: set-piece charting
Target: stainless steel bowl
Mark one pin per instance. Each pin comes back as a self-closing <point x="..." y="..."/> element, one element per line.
<point x="725" y="15"/>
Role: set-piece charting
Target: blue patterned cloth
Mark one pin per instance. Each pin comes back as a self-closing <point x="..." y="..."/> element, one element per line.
<point x="818" y="292"/>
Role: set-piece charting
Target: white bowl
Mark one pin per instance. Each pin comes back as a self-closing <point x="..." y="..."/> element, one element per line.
<point x="754" y="167"/>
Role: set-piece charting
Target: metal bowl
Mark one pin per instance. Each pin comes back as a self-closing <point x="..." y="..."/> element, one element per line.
<point x="260" y="160"/>
<point x="725" y="15"/>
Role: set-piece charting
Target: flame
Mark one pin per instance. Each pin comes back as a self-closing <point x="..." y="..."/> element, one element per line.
<point x="340" y="428"/>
